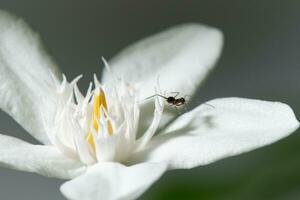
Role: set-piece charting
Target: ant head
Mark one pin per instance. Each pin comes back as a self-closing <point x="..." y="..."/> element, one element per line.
<point x="170" y="99"/>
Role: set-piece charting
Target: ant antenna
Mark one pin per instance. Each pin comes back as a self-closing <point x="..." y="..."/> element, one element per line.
<point x="156" y="95"/>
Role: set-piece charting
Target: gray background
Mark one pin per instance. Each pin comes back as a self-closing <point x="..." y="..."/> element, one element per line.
<point x="260" y="60"/>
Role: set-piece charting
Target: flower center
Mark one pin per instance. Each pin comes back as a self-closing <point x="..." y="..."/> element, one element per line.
<point x="94" y="131"/>
<point x="99" y="101"/>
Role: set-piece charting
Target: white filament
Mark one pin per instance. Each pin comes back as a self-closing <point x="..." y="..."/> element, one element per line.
<point x="68" y="131"/>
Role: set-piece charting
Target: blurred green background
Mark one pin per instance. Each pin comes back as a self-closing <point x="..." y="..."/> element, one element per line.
<point x="260" y="60"/>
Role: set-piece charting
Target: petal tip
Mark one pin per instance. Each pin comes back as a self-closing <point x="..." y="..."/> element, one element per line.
<point x="199" y="30"/>
<point x="290" y="114"/>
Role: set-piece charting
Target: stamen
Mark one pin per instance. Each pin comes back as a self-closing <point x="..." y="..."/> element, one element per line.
<point x="99" y="101"/>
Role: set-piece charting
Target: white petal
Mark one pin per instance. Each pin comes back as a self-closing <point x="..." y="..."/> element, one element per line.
<point x="188" y="50"/>
<point x="207" y="134"/>
<point x="41" y="159"/>
<point x="113" y="181"/>
<point x="26" y="85"/>
<point x="179" y="57"/>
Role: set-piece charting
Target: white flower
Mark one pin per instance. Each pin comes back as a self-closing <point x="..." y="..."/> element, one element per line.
<point x="109" y="140"/>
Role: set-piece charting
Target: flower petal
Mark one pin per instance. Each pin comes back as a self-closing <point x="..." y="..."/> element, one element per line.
<point x="189" y="49"/>
<point x="178" y="58"/>
<point x="41" y="159"/>
<point x="232" y="127"/>
<point x="26" y="85"/>
<point x="111" y="181"/>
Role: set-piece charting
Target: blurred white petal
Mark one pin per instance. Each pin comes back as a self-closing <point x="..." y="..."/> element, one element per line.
<point x="41" y="159"/>
<point x="181" y="56"/>
<point x="232" y="127"/>
<point x="113" y="181"/>
<point x="26" y="85"/>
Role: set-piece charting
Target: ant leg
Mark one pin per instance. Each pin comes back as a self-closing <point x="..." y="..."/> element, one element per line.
<point x="176" y="94"/>
<point x="176" y="108"/>
<point x="179" y="103"/>
<point x="151" y="96"/>
<point x="155" y="96"/>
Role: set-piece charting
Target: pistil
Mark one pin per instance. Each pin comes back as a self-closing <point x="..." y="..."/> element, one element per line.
<point x="99" y="101"/>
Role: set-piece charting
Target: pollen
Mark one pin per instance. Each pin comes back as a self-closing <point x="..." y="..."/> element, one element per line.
<point x="98" y="101"/>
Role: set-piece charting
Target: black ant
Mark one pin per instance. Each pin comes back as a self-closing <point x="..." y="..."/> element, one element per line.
<point x="172" y="100"/>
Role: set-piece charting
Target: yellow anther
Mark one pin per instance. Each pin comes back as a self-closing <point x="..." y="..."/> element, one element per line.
<point x="98" y="101"/>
